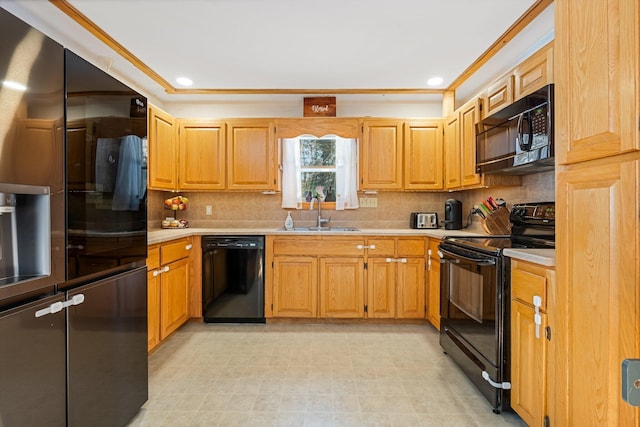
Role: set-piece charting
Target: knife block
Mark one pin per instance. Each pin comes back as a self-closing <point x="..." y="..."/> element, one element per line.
<point x="497" y="222"/>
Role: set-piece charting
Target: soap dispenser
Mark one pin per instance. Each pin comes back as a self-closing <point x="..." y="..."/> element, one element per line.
<point x="288" y="222"/>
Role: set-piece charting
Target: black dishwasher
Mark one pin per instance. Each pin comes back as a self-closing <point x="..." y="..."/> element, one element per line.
<point x="233" y="279"/>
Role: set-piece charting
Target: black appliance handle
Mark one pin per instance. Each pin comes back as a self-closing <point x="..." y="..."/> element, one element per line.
<point x="525" y="119"/>
<point x="482" y="262"/>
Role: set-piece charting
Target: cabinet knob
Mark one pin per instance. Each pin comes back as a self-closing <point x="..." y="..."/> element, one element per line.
<point x="188" y="247"/>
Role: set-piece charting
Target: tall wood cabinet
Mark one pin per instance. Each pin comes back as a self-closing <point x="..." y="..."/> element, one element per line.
<point x="595" y="313"/>
<point x="202" y="147"/>
<point x="163" y="152"/>
<point x="251" y="155"/>
<point x="423" y="155"/>
<point x="381" y="154"/>
<point x="452" y="172"/>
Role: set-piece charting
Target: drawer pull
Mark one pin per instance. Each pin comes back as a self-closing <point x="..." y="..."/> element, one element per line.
<point x="402" y="260"/>
<point x="188" y="247"/>
<point x="366" y="247"/>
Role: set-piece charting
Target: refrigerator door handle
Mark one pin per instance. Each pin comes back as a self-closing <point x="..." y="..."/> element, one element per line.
<point x="58" y="306"/>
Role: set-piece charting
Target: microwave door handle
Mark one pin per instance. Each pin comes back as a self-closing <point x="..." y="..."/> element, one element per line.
<point x="522" y="120"/>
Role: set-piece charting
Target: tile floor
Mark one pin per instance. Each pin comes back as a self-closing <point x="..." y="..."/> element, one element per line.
<point x="310" y="375"/>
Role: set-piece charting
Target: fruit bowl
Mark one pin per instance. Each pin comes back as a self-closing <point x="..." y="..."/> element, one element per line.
<point x="177" y="203"/>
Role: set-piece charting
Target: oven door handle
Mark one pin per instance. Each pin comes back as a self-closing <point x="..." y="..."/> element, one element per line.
<point x="482" y="262"/>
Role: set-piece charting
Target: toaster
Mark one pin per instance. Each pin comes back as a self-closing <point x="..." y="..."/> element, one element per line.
<point x="424" y="220"/>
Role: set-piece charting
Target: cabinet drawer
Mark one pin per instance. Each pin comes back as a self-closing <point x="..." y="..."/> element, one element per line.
<point x="153" y="257"/>
<point x="528" y="280"/>
<point x="383" y="247"/>
<point x="411" y="247"/>
<point x="175" y="250"/>
<point x="319" y="247"/>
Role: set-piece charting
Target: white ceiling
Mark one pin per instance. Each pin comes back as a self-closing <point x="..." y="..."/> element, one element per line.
<point x="289" y="44"/>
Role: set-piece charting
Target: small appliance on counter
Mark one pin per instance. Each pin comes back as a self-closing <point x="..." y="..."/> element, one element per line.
<point x="453" y="214"/>
<point x="424" y="220"/>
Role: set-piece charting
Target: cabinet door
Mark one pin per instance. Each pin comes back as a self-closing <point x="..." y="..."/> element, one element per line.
<point x="468" y="120"/>
<point x="381" y="155"/>
<point x="411" y="288"/>
<point x="174" y="297"/>
<point x="423" y="155"/>
<point x="342" y="287"/>
<point x="498" y="95"/>
<point x="381" y="288"/>
<point x="202" y="155"/>
<point x="153" y="309"/>
<point x="534" y="72"/>
<point x="163" y="157"/>
<point x="528" y="361"/>
<point x="597" y="78"/>
<point x="295" y="286"/>
<point x="595" y="307"/>
<point x="452" y="173"/>
<point x="433" y="294"/>
<point x="251" y="155"/>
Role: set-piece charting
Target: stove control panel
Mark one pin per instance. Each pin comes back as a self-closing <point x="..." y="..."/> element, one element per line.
<point x="533" y="213"/>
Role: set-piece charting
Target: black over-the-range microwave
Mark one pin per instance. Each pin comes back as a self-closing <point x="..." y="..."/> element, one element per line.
<point x="518" y="139"/>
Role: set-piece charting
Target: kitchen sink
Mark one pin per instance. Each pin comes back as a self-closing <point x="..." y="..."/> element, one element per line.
<point x="312" y="229"/>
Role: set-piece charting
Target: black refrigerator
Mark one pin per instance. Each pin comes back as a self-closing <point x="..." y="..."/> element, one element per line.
<point x="106" y="232"/>
<point x="73" y="239"/>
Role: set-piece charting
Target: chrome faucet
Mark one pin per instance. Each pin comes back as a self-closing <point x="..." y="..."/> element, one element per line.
<point x="320" y="219"/>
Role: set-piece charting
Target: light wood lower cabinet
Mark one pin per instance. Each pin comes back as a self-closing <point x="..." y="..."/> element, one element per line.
<point x="342" y="287"/>
<point x="295" y="286"/>
<point x="338" y="277"/>
<point x="168" y="288"/>
<point x="433" y="293"/>
<point x="529" y="284"/>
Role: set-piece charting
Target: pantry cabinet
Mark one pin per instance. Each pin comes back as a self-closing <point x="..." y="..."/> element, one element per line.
<point x="381" y="154"/>
<point x="251" y="155"/>
<point x="595" y="317"/>
<point x="423" y="155"/>
<point x="529" y="284"/>
<point x="202" y="163"/>
<point x="168" y="291"/>
<point x="433" y="288"/>
<point x="163" y="152"/>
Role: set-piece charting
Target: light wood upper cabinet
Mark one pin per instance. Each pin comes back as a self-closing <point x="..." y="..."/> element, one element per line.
<point x="202" y="155"/>
<point x="163" y="153"/>
<point x="597" y="79"/>
<point x="534" y="72"/>
<point x="469" y="116"/>
<point x="423" y="155"/>
<point x="452" y="163"/>
<point x="498" y="95"/>
<point x="251" y="154"/>
<point x="381" y="154"/>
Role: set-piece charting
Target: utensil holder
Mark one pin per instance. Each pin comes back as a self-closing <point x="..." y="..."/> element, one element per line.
<point x="497" y="222"/>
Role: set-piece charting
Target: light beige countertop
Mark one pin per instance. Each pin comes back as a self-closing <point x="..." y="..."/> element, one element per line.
<point x="546" y="257"/>
<point x="163" y="235"/>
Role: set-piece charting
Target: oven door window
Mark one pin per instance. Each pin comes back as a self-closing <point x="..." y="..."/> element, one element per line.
<point x="469" y="303"/>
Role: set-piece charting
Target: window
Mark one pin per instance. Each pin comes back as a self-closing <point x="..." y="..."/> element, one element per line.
<point x="325" y="167"/>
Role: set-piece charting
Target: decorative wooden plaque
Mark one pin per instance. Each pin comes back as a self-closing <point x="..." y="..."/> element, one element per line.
<point x="324" y="106"/>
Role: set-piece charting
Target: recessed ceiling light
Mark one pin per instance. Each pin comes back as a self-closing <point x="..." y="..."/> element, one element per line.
<point x="435" y="81"/>
<point x="184" y="81"/>
<point x="14" y="85"/>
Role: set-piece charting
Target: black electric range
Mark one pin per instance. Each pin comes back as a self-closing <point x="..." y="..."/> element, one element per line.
<point x="532" y="227"/>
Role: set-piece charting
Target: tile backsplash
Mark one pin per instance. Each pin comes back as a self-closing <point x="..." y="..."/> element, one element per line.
<point x="257" y="210"/>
